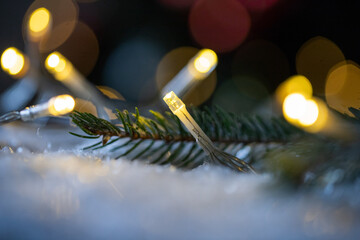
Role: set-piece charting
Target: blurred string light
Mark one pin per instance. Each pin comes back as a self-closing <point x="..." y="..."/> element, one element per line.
<point x="42" y="15"/>
<point x="56" y="106"/>
<point x="60" y="67"/>
<point x="300" y="108"/>
<point x="14" y="62"/>
<point x="63" y="70"/>
<point x="314" y="60"/>
<point x="39" y="23"/>
<point x="221" y="25"/>
<point x="343" y="87"/>
<point x="216" y="155"/>
<point x="295" y="84"/>
<point x="171" y="67"/>
<point x="197" y="69"/>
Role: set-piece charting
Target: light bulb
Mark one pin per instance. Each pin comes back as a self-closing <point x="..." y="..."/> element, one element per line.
<point x="39" y="23"/>
<point x="205" y="61"/>
<point x="294" y="106"/>
<point x="13" y="62"/>
<point x="61" y="105"/>
<point x="173" y="102"/>
<point x="59" y="66"/>
<point x="310" y="115"/>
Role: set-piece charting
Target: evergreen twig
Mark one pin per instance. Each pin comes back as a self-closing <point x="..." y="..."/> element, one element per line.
<point x="175" y="144"/>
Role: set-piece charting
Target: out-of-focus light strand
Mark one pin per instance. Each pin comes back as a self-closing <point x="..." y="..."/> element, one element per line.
<point x="14" y="62"/>
<point x="198" y="68"/>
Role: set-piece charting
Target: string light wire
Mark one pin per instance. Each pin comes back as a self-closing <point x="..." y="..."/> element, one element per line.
<point x="216" y="155"/>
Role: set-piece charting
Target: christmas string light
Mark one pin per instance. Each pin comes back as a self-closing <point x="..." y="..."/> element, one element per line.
<point x="56" y="106"/>
<point x="14" y="62"/>
<point x="63" y="70"/>
<point x="216" y="155"/>
<point x="197" y="69"/>
<point x="39" y="24"/>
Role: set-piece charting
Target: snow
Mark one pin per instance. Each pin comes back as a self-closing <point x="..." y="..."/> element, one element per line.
<point x="52" y="190"/>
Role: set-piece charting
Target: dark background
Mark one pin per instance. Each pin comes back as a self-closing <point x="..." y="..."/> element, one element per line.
<point x="288" y="25"/>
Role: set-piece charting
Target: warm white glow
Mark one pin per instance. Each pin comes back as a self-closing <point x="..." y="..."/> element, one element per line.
<point x="59" y="66"/>
<point x="310" y="115"/>
<point x="13" y="61"/>
<point x="39" y="20"/>
<point x="173" y="102"/>
<point x="18" y="66"/>
<point x="205" y="61"/>
<point x="295" y="84"/>
<point x="61" y="105"/>
<point x="53" y="60"/>
<point x="294" y="106"/>
<point x="8" y="58"/>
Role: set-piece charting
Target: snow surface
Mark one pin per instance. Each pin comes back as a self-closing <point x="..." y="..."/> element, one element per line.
<point x="51" y="190"/>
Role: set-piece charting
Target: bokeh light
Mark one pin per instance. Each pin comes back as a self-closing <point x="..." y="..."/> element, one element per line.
<point x="314" y="60"/>
<point x="86" y="44"/>
<point x="64" y="17"/>
<point x="174" y="61"/>
<point x="221" y="25"/>
<point x="294" y="106"/>
<point x="294" y="84"/>
<point x="311" y="113"/>
<point x="14" y="62"/>
<point x="206" y="61"/>
<point x="39" y="22"/>
<point x="58" y="65"/>
<point x="61" y="105"/>
<point x="343" y="87"/>
<point x="8" y="58"/>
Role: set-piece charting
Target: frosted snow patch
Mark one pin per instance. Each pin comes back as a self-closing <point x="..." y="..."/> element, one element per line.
<point x="71" y="195"/>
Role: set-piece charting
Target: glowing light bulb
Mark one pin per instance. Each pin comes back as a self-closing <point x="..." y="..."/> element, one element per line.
<point x="311" y="113"/>
<point x="205" y="61"/>
<point x="13" y="62"/>
<point x="294" y="106"/>
<point x="58" y="65"/>
<point x="56" y="106"/>
<point x="39" y="22"/>
<point x="61" y="105"/>
<point x="53" y="60"/>
<point x="173" y="102"/>
<point x="294" y="84"/>
<point x="18" y="66"/>
<point x="8" y="58"/>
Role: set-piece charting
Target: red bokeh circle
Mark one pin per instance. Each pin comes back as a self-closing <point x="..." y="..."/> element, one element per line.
<point x="221" y="25"/>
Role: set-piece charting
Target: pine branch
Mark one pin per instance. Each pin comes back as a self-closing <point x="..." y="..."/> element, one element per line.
<point x="164" y="140"/>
